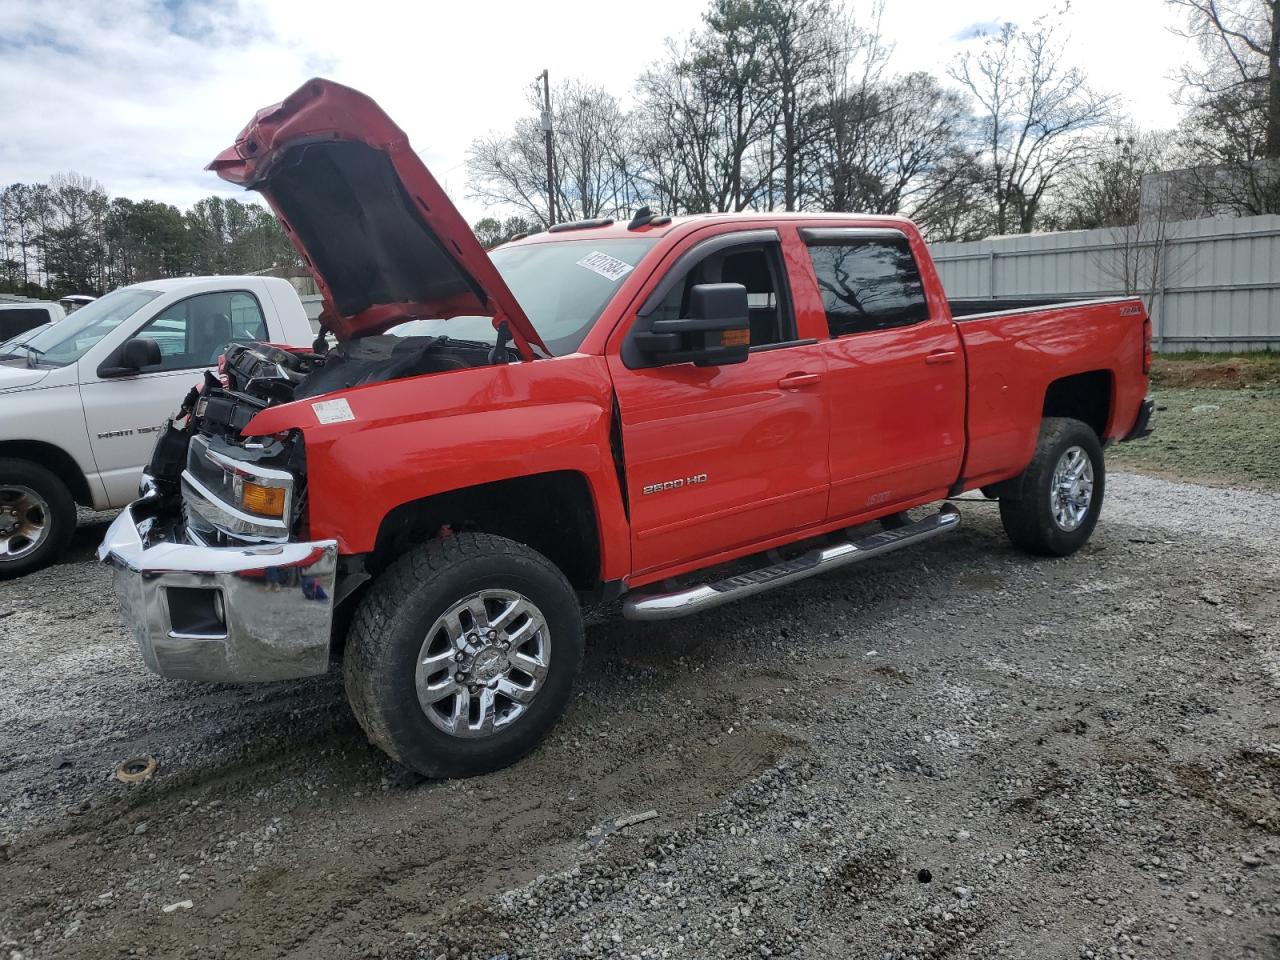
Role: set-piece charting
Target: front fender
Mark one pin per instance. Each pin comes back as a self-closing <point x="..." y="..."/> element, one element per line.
<point x="423" y="436"/>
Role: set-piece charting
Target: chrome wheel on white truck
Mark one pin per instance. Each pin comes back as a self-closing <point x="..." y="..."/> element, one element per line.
<point x="37" y="517"/>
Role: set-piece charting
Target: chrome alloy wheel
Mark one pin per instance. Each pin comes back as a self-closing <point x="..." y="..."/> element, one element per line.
<point x="1071" y="491"/>
<point x="482" y="663"/>
<point x="24" y="521"/>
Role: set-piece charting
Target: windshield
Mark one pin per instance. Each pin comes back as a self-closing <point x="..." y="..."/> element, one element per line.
<point x="478" y="329"/>
<point x="564" y="286"/>
<point x="67" y="340"/>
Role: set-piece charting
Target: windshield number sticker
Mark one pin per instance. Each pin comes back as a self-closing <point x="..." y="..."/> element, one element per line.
<point x="333" y="411"/>
<point x="611" y="268"/>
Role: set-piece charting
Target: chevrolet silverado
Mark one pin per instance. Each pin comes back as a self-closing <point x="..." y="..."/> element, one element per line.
<point x="676" y="412"/>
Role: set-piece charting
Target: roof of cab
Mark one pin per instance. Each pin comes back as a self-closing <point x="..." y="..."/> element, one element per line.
<point x="620" y="229"/>
<point x="229" y="279"/>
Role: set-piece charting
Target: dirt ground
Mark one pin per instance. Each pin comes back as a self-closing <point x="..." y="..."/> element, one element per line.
<point x="955" y="751"/>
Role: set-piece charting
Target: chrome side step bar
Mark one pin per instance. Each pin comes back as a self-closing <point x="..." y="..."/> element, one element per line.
<point x="681" y="603"/>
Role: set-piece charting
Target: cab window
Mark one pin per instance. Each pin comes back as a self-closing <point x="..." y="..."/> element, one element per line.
<point x="758" y="268"/>
<point x="868" y="284"/>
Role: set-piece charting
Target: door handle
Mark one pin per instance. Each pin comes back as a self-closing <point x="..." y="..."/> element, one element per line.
<point x="795" y="381"/>
<point x="941" y="356"/>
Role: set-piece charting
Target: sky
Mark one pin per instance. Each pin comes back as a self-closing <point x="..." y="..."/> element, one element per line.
<point x="141" y="94"/>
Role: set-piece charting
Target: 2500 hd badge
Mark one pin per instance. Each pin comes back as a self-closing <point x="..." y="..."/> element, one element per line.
<point x="674" y="484"/>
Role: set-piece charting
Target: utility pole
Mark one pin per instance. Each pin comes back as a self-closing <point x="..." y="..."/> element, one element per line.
<point x="546" y="133"/>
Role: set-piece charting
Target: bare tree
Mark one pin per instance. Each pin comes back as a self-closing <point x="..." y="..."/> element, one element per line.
<point x="891" y="146"/>
<point x="492" y="232"/>
<point x="846" y="116"/>
<point x="1032" y="109"/>
<point x="707" y="112"/>
<point x="956" y="207"/>
<point x="1106" y="189"/>
<point x="1233" y="96"/>
<point x="1141" y="259"/>
<point x="593" y="174"/>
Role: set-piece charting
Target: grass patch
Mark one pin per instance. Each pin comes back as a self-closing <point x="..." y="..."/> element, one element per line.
<point x="1219" y="435"/>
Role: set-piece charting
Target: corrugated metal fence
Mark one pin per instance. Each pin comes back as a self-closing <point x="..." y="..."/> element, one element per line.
<point x="1209" y="284"/>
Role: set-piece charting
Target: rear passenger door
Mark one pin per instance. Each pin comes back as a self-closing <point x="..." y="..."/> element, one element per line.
<point x="895" y="373"/>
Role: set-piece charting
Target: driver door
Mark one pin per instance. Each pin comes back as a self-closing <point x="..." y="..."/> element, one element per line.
<point x="719" y="459"/>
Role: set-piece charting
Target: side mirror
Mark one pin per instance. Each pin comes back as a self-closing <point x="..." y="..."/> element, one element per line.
<point x="136" y="353"/>
<point x="716" y="332"/>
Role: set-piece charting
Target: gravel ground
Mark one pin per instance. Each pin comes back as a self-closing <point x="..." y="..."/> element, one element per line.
<point x="952" y="751"/>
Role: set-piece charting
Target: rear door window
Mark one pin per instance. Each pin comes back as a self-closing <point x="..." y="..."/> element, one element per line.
<point x="868" y="284"/>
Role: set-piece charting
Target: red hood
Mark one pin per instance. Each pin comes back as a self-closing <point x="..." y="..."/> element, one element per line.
<point x="382" y="239"/>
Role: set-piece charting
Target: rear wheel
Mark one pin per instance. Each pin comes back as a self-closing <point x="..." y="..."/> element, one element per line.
<point x="37" y="517"/>
<point x="1055" y="504"/>
<point x="463" y="654"/>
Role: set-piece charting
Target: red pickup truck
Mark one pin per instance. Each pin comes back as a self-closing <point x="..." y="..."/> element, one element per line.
<point x="677" y="412"/>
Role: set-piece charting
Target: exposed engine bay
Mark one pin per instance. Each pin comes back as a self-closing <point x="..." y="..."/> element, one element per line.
<point x="254" y="376"/>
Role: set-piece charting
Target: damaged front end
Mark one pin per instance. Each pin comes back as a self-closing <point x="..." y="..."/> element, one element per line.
<point x="212" y="567"/>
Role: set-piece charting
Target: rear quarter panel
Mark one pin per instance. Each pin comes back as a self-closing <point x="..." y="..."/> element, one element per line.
<point x="427" y="435"/>
<point x="1013" y="358"/>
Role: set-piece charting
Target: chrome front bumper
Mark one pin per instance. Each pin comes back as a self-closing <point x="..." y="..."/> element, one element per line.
<point x="260" y="612"/>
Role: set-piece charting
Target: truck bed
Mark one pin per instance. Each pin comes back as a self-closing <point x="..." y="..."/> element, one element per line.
<point x="1079" y="358"/>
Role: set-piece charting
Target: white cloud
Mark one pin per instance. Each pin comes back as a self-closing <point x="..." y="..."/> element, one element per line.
<point x="141" y="94"/>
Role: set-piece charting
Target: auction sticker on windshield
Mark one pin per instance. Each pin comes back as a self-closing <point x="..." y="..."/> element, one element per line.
<point x="333" y="411"/>
<point x="611" y="268"/>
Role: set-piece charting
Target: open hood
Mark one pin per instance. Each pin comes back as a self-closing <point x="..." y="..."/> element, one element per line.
<point x="383" y="240"/>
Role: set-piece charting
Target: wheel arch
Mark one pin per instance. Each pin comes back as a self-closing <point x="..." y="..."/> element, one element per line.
<point x="52" y="458"/>
<point x="553" y="513"/>
<point x="1088" y="397"/>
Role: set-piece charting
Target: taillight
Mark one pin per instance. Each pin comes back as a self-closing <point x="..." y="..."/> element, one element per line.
<point x="1146" y="345"/>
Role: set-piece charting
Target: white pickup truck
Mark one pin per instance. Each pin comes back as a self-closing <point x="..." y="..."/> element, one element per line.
<point x="81" y="401"/>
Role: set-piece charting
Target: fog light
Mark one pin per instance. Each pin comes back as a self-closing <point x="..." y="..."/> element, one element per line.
<point x="264" y="501"/>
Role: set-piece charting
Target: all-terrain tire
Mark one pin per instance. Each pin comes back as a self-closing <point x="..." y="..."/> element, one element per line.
<point x="19" y="480"/>
<point x="1028" y="512"/>
<point x="391" y="625"/>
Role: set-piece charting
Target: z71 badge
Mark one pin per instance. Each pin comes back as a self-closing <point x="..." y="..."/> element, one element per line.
<point x="674" y="484"/>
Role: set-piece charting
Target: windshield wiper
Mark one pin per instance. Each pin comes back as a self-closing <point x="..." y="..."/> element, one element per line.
<point x="32" y="354"/>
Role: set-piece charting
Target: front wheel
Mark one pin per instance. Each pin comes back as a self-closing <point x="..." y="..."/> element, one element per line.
<point x="37" y="517"/>
<point x="463" y="654"/>
<point x="1055" y="503"/>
